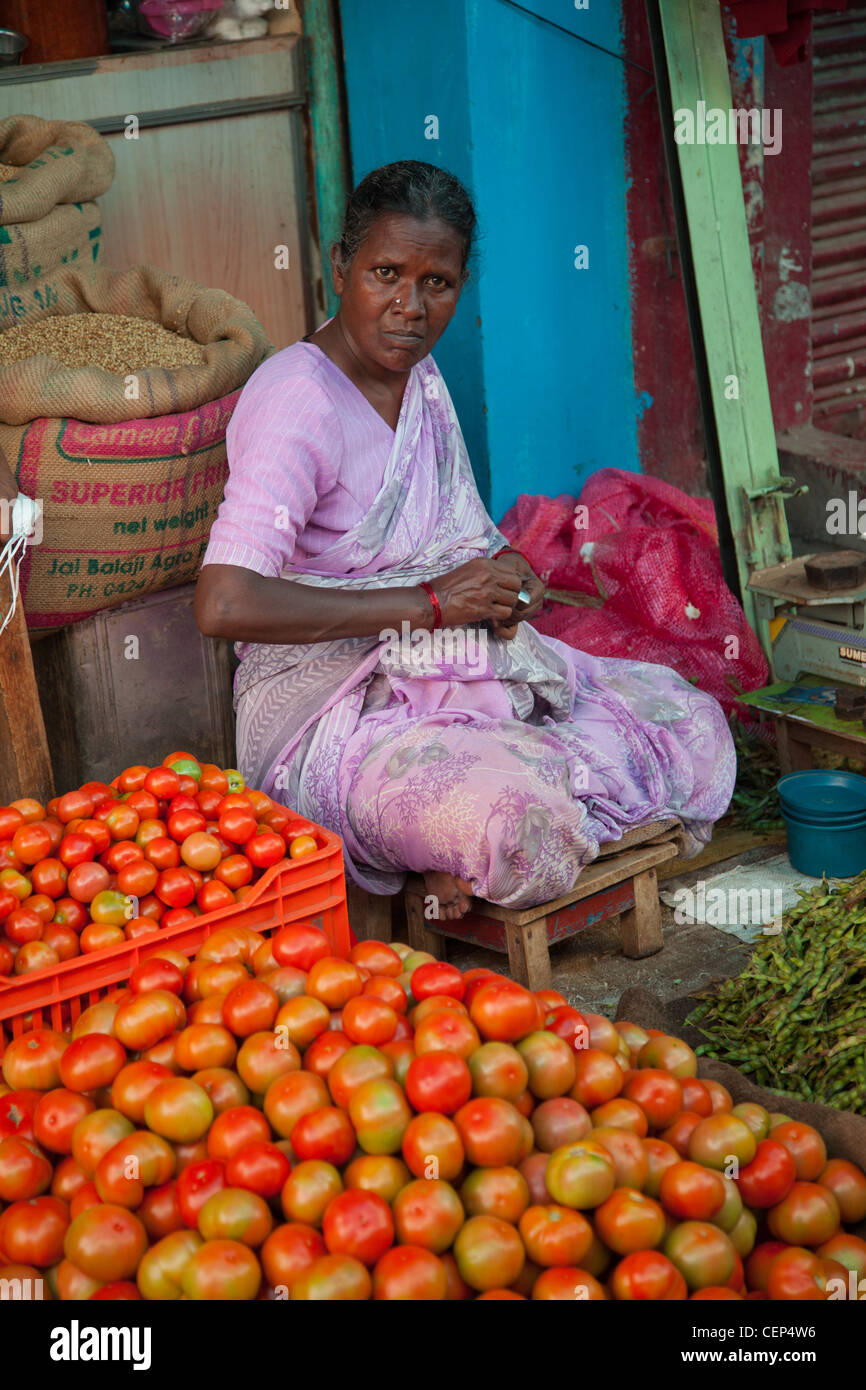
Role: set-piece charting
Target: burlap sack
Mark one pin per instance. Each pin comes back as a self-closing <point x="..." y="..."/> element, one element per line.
<point x="47" y="214"/>
<point x="60" y="162"/>
<point x="843" y="1132"/>
<point x="129" y="487"/>
<point x="236" y="343"/>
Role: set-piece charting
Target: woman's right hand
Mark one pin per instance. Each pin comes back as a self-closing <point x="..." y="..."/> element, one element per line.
<point x="478" y="590"/>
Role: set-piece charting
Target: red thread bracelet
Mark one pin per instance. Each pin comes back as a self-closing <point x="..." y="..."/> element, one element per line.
<point x="509" y="550"/>
<point x="434" y="601"/>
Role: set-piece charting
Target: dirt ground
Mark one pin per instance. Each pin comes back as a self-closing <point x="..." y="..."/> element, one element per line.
<point x="590" y="970"/>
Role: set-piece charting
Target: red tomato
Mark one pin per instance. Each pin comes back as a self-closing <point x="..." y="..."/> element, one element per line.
<point x="72" y="806"/>
<point x="144" y="804"/>
<point x="69" y="912"/>
<point x="324" y="1134"/>
<point x="807" y="1215"/>
<point x="162" y="851"/>
<point x="691" y="1192"/>
<point x="648" y="1276"/>
<point x="235" y="871"/>
<point x="31" y="843"/>
<point x="769" y="1177"/>
<point x="436" y="977"/>
<point x="56" y="1116"/>
<point x="289" y="1252"/>
<point x="182" y="824"/>
<point x="16" y="1112"/>
<point x="10" y="821"/>
<point x="137" y="878"/>
<point x="156" y="973"/>
<point x="237" y="825"/>
<point x="32" y="1061"/>
<point x="259" y="1167"/>
<point x="359" y="1224"/>
<point x="265" y="849"/>
<point x="805" y="1146"/>
<point x="366" y="1019"/>
<point x="234" y="1129"/>
<point x="86" y="880"/>
<point x="176" y="887"/>
<point x="162" y="783"/>
<point x="91" y="1062"/>
<point x="25" y="1172"/>
<point x="408" y="1272"/>
<point x="96" y="831"/>
<point x="121" y="853"/>
<point x="570" y="1025"/>
<point x="33" y="1232"/>
<point x="76" y="848"/>
<point x="23" y="925"/>
<point x="439" y="1081"/>
<point x="49" y="877"/>
<point x="658" y="1094"/>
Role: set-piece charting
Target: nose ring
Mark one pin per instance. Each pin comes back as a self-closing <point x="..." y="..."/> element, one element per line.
<point x="398" y="301"/>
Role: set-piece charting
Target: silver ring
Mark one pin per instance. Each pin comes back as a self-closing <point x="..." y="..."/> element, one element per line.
<point x="524" y="597"/>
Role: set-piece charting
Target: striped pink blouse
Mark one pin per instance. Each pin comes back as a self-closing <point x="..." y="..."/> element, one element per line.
<point x="307" y="452"/>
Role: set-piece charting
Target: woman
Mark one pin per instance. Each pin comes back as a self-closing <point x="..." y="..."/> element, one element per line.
<point x="495" y="766"/>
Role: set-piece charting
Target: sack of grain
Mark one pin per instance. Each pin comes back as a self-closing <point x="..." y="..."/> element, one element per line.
<point x="129" y="463"/>
<point x="50" y="173"/>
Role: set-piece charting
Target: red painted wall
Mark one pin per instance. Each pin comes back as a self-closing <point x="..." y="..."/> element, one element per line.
<point x="778" y="197"/>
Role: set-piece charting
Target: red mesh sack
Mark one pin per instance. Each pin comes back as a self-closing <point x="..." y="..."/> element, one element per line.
<point x="650" y="553"/>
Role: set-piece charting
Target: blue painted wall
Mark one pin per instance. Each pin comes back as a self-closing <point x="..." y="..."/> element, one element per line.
<point x="538" y="357"/>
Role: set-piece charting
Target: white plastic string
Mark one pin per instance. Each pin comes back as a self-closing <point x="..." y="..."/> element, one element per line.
<point x="25" y="514"/>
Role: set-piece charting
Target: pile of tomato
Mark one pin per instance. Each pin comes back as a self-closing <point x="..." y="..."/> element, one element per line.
<point x="113" y="861"/>
<point x="270" y="1121"/>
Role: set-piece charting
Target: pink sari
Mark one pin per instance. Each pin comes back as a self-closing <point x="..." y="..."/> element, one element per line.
<point x="507" y="763"/>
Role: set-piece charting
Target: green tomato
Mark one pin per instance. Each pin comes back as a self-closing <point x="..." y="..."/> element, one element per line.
<point x="185" y="767"/>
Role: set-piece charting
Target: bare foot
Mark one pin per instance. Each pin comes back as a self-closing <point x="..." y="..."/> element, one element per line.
<point x="452" y="895"/>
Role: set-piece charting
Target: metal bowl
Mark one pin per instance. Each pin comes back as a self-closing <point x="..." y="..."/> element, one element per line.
<point x="12" y="45"/>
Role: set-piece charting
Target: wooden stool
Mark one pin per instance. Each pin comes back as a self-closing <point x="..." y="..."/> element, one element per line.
<point x="621" y="882"/>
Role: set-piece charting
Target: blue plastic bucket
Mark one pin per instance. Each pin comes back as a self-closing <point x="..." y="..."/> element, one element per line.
<point x="825" y="817"/>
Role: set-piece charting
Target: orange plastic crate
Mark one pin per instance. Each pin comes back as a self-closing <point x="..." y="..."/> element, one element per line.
<point x="312" y="889"/>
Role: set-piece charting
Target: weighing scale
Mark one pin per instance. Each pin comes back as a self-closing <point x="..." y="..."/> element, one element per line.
<point x="815" y="629"/>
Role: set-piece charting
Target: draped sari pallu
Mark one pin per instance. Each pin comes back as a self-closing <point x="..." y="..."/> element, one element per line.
<point x="505" y="762"/>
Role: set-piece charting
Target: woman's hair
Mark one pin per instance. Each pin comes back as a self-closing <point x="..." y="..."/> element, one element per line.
<point x="412" y="187"/>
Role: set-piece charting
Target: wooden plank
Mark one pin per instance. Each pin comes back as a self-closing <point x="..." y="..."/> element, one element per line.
<point x="421" y="937"/>
<point x="131" y="83"/>
<point x="641" y="835"/>
<point x="641" y="926"/>
<point x="528" y="955"/>
<point x="25" y="767"/>
<point x="369" y="913"/>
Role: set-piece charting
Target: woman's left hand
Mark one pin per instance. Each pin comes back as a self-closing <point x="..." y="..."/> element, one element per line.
<point x="507" y="629"/>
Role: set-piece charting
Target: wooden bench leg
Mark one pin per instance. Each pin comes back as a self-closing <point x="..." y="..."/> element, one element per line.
<point x="421" y="938"/>
<point x="641" y="925"/>
<point x="795" y="755"/>
<point x="528" y="954"/>
<point x="369" y="913"/>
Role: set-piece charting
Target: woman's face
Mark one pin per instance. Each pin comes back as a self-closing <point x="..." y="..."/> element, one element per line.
<point x="402" y="258"/>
